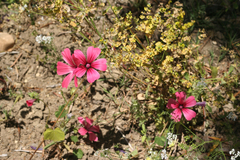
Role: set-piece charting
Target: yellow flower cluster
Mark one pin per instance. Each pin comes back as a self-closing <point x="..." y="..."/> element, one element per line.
<point x="168" y="21"/>
<point x="134" y="39"/>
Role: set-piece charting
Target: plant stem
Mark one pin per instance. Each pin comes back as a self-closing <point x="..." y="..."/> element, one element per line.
<point x="57" y="118"/>
<point x="67" y="103"/>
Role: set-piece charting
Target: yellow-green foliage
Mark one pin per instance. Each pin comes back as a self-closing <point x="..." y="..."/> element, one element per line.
<point x="173" y="47"/>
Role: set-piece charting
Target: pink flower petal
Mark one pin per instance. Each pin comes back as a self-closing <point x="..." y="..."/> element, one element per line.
<point x="63" y="68"/>
<point x="94" y="129"/>
<point x="188" y="114"/>
<point x="172" y="104"/>
<point x="81" y="120"/>
<point x="190" y="102"/>
<point x="67" y="80"/>
<point x="176" y="115"/>
<point x="82" y="131"/>
<point x="67" y="56"/>
<point x="181" y="96"/>
<point x="89" y="122"/>
<point x="75" y="81"/>
<point x="92" y="75"/>
<point x="92" y="54"/>
<point x="80" y="71"/>
<point x="92" y="136"/>
<point x="79" y="58"/>
<point x="30" y="102"/>
<point x="100" y="64"/>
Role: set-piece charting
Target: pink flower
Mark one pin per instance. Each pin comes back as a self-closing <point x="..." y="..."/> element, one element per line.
<point x="88" y="128"/>
<point x="181" y="106"/>
<point x="79" y="65"/>
<point x="30" y="102"/>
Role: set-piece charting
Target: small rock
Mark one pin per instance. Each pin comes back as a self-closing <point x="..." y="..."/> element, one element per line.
<point x="141" y="96"/>
<point x="17" y="85"/>
<point x="229" y="108"/>
<point x="98" y="96"/>
<point x="214" y="42"/>
<point x="106" y="99"/>
<point x="114" y="91"/>
<point x="6" y="40"/>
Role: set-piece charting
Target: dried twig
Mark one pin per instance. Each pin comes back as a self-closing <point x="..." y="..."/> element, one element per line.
<point x="163" y="129"/>
<point x="12" y="52"/>
<point x="57" y="94"/>
<point x="24" y="73"/>
<point x="16" y="60"/>
<point x="45" y="25"/>
<point x="54" y="85"/>
<point x="70" y="108"/>
<point x="204" y="43"/>
<point x="43" y="148"/>
<point x="3" y="155"/>
<point x="125" y="138"/>
<point x="16" y="71"/>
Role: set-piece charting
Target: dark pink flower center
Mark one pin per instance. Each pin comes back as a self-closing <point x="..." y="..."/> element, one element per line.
<point x="88" y="65"/>
<point x="180" y="106"/>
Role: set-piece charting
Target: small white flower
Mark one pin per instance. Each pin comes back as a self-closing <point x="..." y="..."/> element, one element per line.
<point x="21" y="8"/>
<point x="69" y="115"/>
<point x="96" y="153"/>
<point x="39" y="38"/>
<point x="232" y="158"/>
<point x="171" y="137"/>
<point x="25" y="6"/>
<point x="164" y="154"/>
<point x="238" y="153"/>
<point x="229" y="116"/>
<point x="174" y="137"/>
<point x="46" y="39"/>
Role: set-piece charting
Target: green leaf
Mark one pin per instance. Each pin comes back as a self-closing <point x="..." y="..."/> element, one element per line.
<point x="160" y="140"/>
<point x="230" y="69"/>
<point x="143" y="138"/>
<point x="134" y="153"/>
<point x="143" y="128"/>
<point x="54" y="135"/>
<point x="209" y="108"/>
<point x="74" y="138"/>
<point x="223" y="82"/>
<point x="214" y="72"/>
<point x="73" y="89"/>
<point x="172" y="90"/>
<point x="186" y="75"/>
<point x="60" y="108"/>
<point x="146" y="94"/>
<point x="78" y="153"/>
<point x="34" y="95"/>
<point x="75" y="130"/>
<point x="106" y="10"/>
